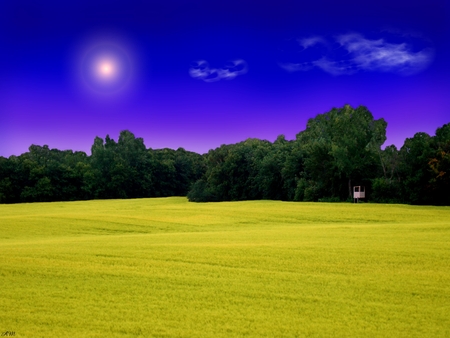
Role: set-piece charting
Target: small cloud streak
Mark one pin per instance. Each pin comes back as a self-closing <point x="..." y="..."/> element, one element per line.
<point x="311" y="41"/>
<point x="336" y="67"/>
<point x="295" y="67"/>
<point x="201" y="70"/>
<point x="362" y="54"/>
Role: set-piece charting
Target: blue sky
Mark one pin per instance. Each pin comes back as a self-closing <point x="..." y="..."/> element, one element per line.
<point x="198" y="74"/>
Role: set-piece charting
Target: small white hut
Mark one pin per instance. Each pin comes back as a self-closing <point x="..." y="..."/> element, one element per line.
<point x="358" y="192"/>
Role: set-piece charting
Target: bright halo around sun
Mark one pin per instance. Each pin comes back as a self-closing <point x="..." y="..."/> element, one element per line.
<point x="106" y="68"/>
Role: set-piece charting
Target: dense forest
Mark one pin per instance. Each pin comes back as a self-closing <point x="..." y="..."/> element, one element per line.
<point x="123" y="169"/>
<point x="336" y="151"/>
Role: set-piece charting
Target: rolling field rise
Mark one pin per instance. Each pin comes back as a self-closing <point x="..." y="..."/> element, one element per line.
<point x="169" y="268"/>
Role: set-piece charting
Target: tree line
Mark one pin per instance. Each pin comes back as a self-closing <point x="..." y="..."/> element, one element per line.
<point x="122" y="169"/>
<point x="337" y="150"/>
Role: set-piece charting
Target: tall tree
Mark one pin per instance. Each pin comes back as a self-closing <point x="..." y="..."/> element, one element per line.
<point x="415" y="155"/>
<point x="387" y="187"/>
<point x="440" y="166"/>
<point x="342" y="145"/>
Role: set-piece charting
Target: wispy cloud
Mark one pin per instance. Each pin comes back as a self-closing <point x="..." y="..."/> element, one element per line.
<point x="340" y="67"/>
<point x="311" y="41"/>
<point x="295" y="67"/>
<point x="202" y="71"/>
<point x="362" y="54"/>
<point x="388" y="57"/>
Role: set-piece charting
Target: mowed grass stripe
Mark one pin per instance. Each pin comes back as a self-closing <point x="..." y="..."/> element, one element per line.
<point x="263" y="275"/>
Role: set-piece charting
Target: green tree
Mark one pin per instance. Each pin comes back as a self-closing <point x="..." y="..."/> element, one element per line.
<point x="274" y="176"/>
<point x="415" y="155"/>
<point x="120" y="169"/>
<point x="439" y="166"/>
<point x="233" y="172"/>
<point x="341" y="145"/>
<point x="387" y="188"/>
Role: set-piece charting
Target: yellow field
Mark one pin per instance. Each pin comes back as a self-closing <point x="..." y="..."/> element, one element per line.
<point x="169" y="268"/>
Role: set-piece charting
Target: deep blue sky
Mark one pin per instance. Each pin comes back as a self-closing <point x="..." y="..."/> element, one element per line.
<point x="198" y="74"/>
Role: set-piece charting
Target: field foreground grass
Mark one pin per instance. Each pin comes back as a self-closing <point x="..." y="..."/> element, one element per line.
<point x="169" y="268"/>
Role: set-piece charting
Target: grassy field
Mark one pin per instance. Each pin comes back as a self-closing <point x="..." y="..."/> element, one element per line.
<point x="169" y="268"/>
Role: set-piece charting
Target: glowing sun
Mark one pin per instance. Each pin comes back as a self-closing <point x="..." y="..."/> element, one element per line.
<point x="106" y="68"/>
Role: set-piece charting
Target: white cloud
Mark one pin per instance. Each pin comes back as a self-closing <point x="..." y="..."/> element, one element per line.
<point x="362" y="54"/>
<point x="201" y="70"/>
<point x="383" y="56"/>
<point x="311" y="41"/>
<point x="335" y="67"/>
